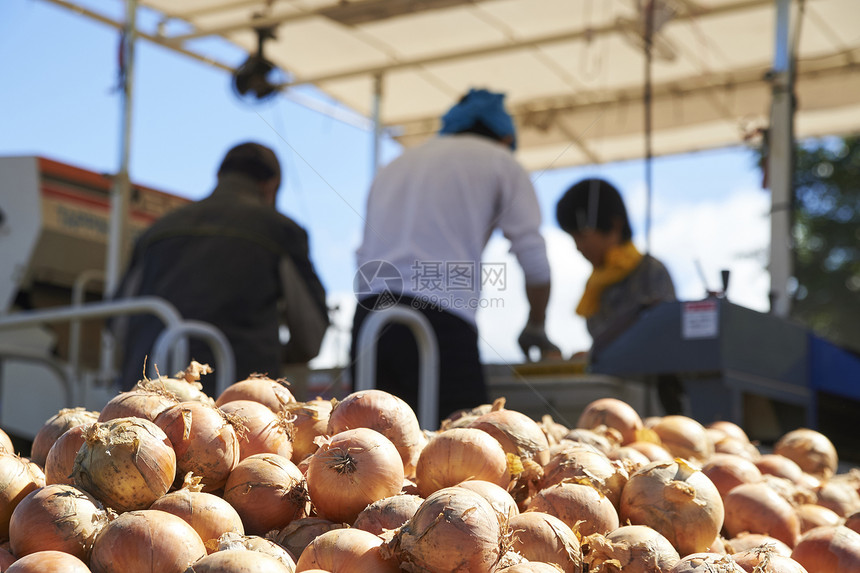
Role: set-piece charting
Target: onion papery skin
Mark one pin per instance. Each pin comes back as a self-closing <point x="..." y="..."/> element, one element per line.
<point x="581" y="507"/>
<point x="18" y="478"/>
<point x="257" y="544"/>
<point x="206" y="444"/>
<point x="299" y="533"/>
<point x="756" y="508"/>
<point x="6" y="557"/>
<point x="584" y="466"/>
<point x="309" y="420"/>
<point x="386" y="413"/>
<point x="264" y="432"/>
<point x="352" y="469"/>
<point x="829" y="549"/>
<point x="684" y="437"/>
<point x="126" y="463"/>
<point x="48" y="562"/>
<point x="238" y="561"/>
<point x="728" y="471"/>
<point x="677" y="500"/>
<point x="654" y="452"/>
<point x="730" y="429"/>
<point x="267" y="491"/>
<point x="346" y="550"/>
<point x="209" y="515"/>
<point x="811" y="450"/>
<point x="632" y="458"/>
<point x="583" y="437"/>
<point x="631" y="549"/>
<point x="137" y="403"/>
<point x="812" y="516"/>
<point x="767" y="561"/>
<point x="6" y="443"/>
<point x="612" y="413"/>
<point x="60" y="461"/>
<point x="539" y="536"/>
<point x="458" y="454"/>
<point x="146" y="541"/>
<point x="59" y="518"/>
<point x="746" y="541"/>
<point x="517" y="433"/>
<point x="706" y="563"/>
<point x="530" y="567"/>
<point x="388" y="513"/>
<point x="55" y="427"/>
<point x="498" y="497"/>
<point x="272" y="393"/>
<point x="454" y="531"/>
<point x="840" y="497"/>
<point x="779" y="466"/>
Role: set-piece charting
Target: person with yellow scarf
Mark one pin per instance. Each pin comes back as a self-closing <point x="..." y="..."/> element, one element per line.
<point x="623" y="281"/>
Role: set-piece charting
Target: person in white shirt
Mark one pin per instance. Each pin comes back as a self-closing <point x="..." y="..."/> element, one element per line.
<point x="430" y="213"/>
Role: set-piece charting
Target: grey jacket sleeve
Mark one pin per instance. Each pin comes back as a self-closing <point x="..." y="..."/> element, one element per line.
<point x="303" y="309"/>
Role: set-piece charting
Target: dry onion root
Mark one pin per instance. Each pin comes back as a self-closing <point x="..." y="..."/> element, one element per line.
<point x="539" y="536"/>
<point x="631" y="549"/>
<point x="55" y="427"/>
<point x="458" y="454"/>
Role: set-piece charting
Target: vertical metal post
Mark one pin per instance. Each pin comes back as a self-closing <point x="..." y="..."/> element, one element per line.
<point x="377" y="123"/>
<point x="648" y="119"/>
<point x="780" y="163"/>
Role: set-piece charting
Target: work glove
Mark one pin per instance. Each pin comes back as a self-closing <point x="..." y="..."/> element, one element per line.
<point x="534" y="336"/>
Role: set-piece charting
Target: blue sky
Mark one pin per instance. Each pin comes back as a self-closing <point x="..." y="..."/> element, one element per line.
<point x="58" y="100"/>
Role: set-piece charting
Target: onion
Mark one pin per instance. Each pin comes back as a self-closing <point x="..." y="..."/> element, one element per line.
<point x="584" y="509"/>
<point x="498" y="497"/>
<point x="780" y="466"/>
<point x="126" y="463"/>
<point x="239" y="561"/>
<point x="57" y="517"/>
<point x="829" y="549"/>
<point x="530" y="567"/>
<point x="55" y="427"/>
<point x="346" y="551"/>
<point x="185" y="385"/>
<point x="684" y="437"/>
<point x="737" y="447"/>
<point x="539" y="536"/>
<point x="757" y="508"/>
<point x="267" y="491"/>
<point x="677" y="500"/>
<point x="6" y="443"/>
<point x="18" y="478"/>
<point x="612" y="413"/>
<point x="729" y="429"/>
<point x="61" y="457"/>
<point x="600" y="442"/>
<point x="387" y="414"/>
<point x="587" y="467"/>
<point x="210" y="516"/>
<point x="260" y="388"/>
<point x="706" y="563"/>
<point x="458" y="454"/>
<point x="309" y="419"/>
<point x="789" y="490"/>
<point x="48" y="562"/>
<point x="812" y="515"/>
<point x="632" y="549"/>
<point x="6" y="557"/>
<point x="205" y="442"/>
<point x="553" y="431"/>
<point x="454" y="530"/>
<point x="630" y="457"/>
<point x="729" y="470"/>
<point x="840" y="497"/>
<point x="300" y="532"/>
<point x="517" y="433"/>
<point x="654" y="452"/>
<point x="231" y="541"/>
<point x="146" y="541"/>
<point x="853" y="521"/>
<point x="138" y="402"/>
<point x="351" y="470"/>
<point x="767" y="560"/>
<point x="746" y="541"/>
<point x="388" y="513"/>
<point x="811" y="450"/>
<point x="265" y="432"/>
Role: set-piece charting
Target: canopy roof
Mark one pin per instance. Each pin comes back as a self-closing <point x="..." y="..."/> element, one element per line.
<point x="573" y="70"/>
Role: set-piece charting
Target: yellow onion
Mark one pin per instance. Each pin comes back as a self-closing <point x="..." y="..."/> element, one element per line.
<point x="239" y="561"/>
<point x="767" y="560"/>
<point x="458" y="454"/>
<point x="581" y="507"/>
<point x="539" y="536"/>
<point x="210" y="516"/>
<point x="274" y="394"/>
<point x="264" y="432"/>
<point x="746" y="541"/>
<point x="57" y="517"/>
<point x="185" y="385"/>
<point x="300" y="532"/>
<point x="838" y="496"/>
<point x="729" y="470"/>
<point x="48" y="562"/>
<point x="530" y="567"/>
<point x="780" y="466"/>
<point x="205" y="442"/>
<point x="517" y="433"/>
<point x="54" y="427"/>
<point x="811" y="450"/>
<point x="6" y="443"/>
<point x="61" y="457"/>
<point x="829" y="549"/>
<point x="351" y="470"/>
<point x="654" y="452"/>
<point x="139" y="402"/>
<point x="757" y="508"/>
<point x="706" y="563"/>
<point x="677" y="500"/>
<point x="126" y="463"/>
<point x="631" y="549"/>
<point x="18" y="478"/>
<point x="309" y="420"/>
<point x="812" y="515"/>
<point x="388" y="513"/>
<point x="583" y="466"/>
<point x="231" y="541"/>
<point x="6" y="557"/>
<point x="582" y="437"/>
<point x="454" y="530"/>
<point x="853" y="521"/>
<point x="553" y="431"/>
<point x="146" y="541"/>
<point x="387" y="414"/>
<point x="684" y="437"/>
<point x="267" y="491"/>
<point x="498" y="497"/>
<point x="612" y="413"/>
<point x="631" y="458"/>
<point x="346" y="550"/>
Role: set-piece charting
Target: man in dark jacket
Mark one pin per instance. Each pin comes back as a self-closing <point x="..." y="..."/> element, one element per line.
<point x="233" y="261"/>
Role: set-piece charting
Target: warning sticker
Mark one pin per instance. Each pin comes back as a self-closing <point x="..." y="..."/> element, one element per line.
<point x="700" y="319"/>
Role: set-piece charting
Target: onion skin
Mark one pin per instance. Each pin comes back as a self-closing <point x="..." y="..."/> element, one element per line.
<point x="539" y="536"/>
<point x="612" y="413"/>
<point x="812" y="515"/>
<point x="458" y="454"/>
<point x="706" y="563"/>
<point x="498" y="497"/>
<point x="57" y="518"/>
<point x="137" y="403"/>
<point x="840" y="497"/>
<point x="54" y="427"/>
<point x="829" y="549"/>
<point x="677" y="500"/>
<point x="265" y="432"/>
<point x="767" y="561"/>
<point x="346" y="551"/>
<point x="238" y="561"/>
<point x="517" y="433"/>
<point x="747" y="541"/>
<point x="18" y="478"/>
<point x="631" y="549"/>
<point x="780" y="466"/>
<point x="272" y="393"/>
<point x="756" y="508"/>
<point x="530" y="567"/>
<point x="388" y="513"/>
<point x="728" y="471"/>
<point x="654" y="452"/>
<point x="584" y="509"/>
<point x="309" y="420"/>
<point x="147" y="541"/>
<point x="209" y="515"/>
<point x="60" y="461"/>
<point x="684" y="438"/>
<point x="584" y="466"/>
<point x="296" y="536"/>
<point x="48" y="562"/>
<point x="811" y="450"/>
<point x="257" y="544"/>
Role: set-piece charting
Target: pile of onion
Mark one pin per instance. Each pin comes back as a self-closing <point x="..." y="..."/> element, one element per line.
<point x="61" y="457"/>
<point x="757" y="508"/>
<point x="126" y="463"/>
<point x="48" y="561"/>
<point x="205" y="442"/>
<point x="18" y="478"/>
<point x="260" y="388"/>
<point x="54" y="427"/>
<point x="829" y="549"/>
<point x="581" y="507"/>
<point x="612" y="413"/>
<point x="57" y="517"/>
<point x="631" y="549"/>
<point x="264" y="431"/>
<point x="539" y="536"/>
<point x="388" y="513"/>
<point x="309" y="420"/>
<point x="347" y="550"/>
<point x="144" y="542"/>
<point x="352" y="469"/>
<point x="239" y="561"/>
<point x="458" y="454"/>
<point x="677" y="500"/>
<point x="811" y="450"/>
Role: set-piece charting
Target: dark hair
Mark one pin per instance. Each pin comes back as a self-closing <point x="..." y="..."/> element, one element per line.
<point x="253" y="160"/>
<point x="593" y="204"/>
<point x="481" y="128"/>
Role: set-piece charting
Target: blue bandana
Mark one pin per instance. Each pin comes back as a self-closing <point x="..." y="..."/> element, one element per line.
<point x="487" y="106"/>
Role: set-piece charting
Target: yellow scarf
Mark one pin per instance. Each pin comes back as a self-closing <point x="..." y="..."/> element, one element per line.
<point x="620" y="262"/>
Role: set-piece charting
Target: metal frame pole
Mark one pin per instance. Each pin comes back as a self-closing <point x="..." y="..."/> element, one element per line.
<point x="377" y="123"/>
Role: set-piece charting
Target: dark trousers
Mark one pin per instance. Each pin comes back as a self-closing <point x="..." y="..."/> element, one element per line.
<point x="461" y="375"/>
